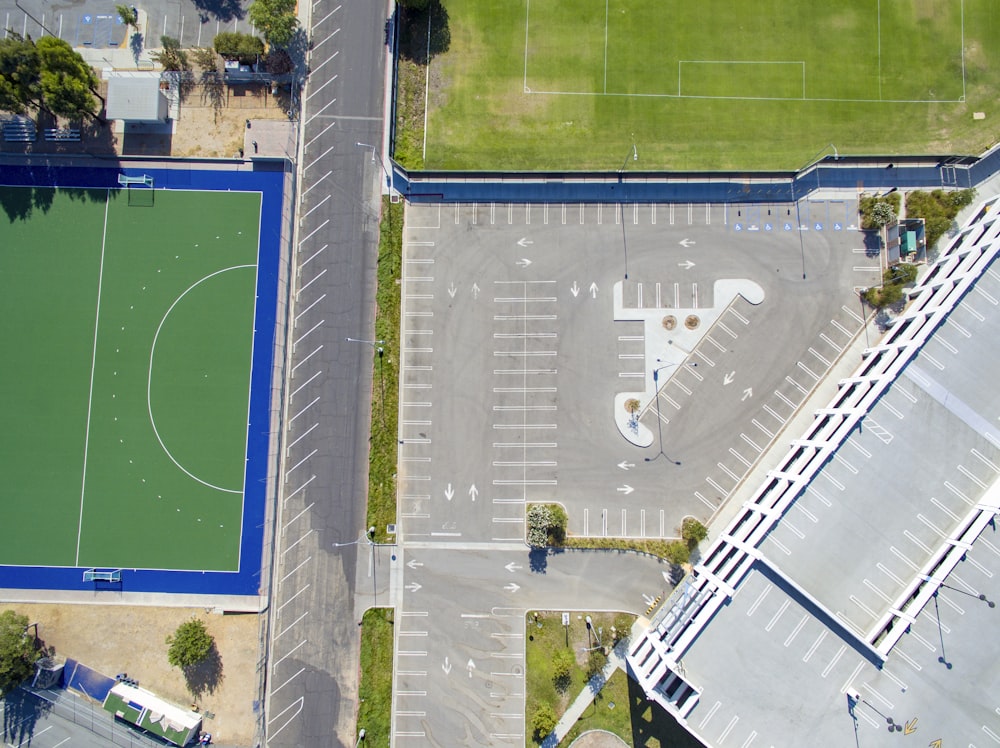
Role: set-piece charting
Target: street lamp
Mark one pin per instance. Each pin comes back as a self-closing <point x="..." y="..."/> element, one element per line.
<point x="377" y="345"/>
<point x="375" y="151"/>
<point x="361" y="736"/>
<point x="656" y="397"/>
<point x="621" y="207"/>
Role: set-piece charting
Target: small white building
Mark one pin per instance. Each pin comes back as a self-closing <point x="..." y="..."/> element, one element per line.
<point x="136" y="99"/>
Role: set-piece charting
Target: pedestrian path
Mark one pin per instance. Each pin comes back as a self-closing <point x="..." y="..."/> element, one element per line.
<point x="616" y="660"/>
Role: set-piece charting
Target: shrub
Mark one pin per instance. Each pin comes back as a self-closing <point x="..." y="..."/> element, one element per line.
<point x="866" y="206"/>
<point x="693" y="531"/>
<point x="543" y="721"/>
<point x="678" y="552"/>
<point x="938" y="209"/>
<point x="233" y="45"/>
<point x="882" y="214"/>
<point x="596" y="661"/>
<point x="539" y="520"/>
<point x="562" y="666"/>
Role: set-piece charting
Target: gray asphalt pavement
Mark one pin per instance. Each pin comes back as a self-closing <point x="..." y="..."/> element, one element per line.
<point x="513" y="356"/>
<point x="312" y="697"/>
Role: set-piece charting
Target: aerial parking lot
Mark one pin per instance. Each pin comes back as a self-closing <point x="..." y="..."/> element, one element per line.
<point x="526" y="329"/>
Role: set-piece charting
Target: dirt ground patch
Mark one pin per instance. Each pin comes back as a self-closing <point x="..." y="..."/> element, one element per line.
<point x="114" y="639"/>
<point x="212" y="118"/>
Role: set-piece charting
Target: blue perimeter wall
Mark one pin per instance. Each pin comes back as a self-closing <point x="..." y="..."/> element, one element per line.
<point x="269" y="181"/>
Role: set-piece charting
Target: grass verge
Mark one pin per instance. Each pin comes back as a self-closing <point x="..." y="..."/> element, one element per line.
<point x="375" y="691"/>
<point x="621" y="708"/>
<point x="385" y="391"/>
<point x="558" y="661"/>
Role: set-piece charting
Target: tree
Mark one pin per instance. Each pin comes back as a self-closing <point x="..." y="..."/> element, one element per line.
<point x="189" y="644"/>
<point x="678" y="552"/>
<point x="68" y="83"/>
<point x="206" y="59"/>
<point x="233" y="45"/>
<point x="562" y="666"/>
<point x="693" y="531"/>
<point x="596" y="661"/>
<point x="882" y="214"/>
<point x="539" y="520"/>
<point x="128" y="15"/>
<point x="20" y="74"/>
<point x="17" y="650"/>
<point x="275" y="19"/>
<point x="171" y="56"/>
<point x="543" y="721"/>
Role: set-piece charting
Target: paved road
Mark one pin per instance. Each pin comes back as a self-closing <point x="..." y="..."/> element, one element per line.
<point x="313" y="656"/>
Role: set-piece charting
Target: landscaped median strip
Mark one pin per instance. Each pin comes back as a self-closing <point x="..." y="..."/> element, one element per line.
<point x="375" y="691"/>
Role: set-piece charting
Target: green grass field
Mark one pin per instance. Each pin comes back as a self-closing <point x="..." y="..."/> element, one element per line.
<point x="717" y="84"/>
<point x="128" y="334"/>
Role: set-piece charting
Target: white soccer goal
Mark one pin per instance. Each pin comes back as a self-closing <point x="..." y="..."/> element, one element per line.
<point x="107" y="575"/>
<point x="145" y="179"/>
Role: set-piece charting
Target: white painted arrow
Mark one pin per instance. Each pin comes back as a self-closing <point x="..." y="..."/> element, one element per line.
<point x="626" y="465"/>
<point x="686" y="242"/>
<point x="626" y="489"/>
<point x="471" y="666"/>
<point x="449" y="492"/>
<point x="414" y="587"/>
<point x="452" y="290"/>
<point x="524" y="262"/>
<point x="593" y="290"/>
<point x="728" y="379"/>
<point x="748" y="392"/>
<point x="512" y="587"/>
<point x="648" y="598"/>
<point x="512" y="567"/>
<point x="524" y="241"/>
<point x="475" y="290"/>
<point x="446" y="667"/>
<point x="687" y="264"/>
<point x="575" y="289"/>
<point x="473" y="491"/>
<point x="413" y="564"/>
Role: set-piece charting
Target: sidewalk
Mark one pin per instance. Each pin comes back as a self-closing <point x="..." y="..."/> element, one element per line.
<point x="616" y="660"/>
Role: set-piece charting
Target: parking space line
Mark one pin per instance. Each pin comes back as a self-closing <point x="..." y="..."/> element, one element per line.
<point x="704" y="358"/>
<point x="711" y="712"/>
<point x="720" y="348"/>
<point x="815" y="492"/>
<point x="669" y="400"/>
<point x="760" y="598"/>
<point x="785" y="400"/>
<point x="779" y="545"/>
<point x="758" y="424"/>
<point x="728" y="472"/>
<point x="826" y="339"/>
<point x="881" y="567"/>
<point x="749" y="441"/>
<point x="815" y="645"/>
<point x="797" y="386"/>
<point x="845" y="463"/>
<point x="944" y="509"/>
<point x="698" y="496"/>
<point x="739" y="457"/>
<point x="836" y="483"/>
<point x="807" y="370"/>
<point x="902" y="557"/>
<point x="951" y="487"/>
<point x="785" y="522"/>
<point x="968" y="474"/>
<point x="777" y="615"/>
<point x="768" y="409"/>
<point x="726" y="330"/>
<point x="738" y="316"/>
<point x="732" y="722"/>
<point x="716" y="486"/>
<point x="871" y="585"/>
<point x="796" y="630"/>
<point x="946" y="345"/>
<point x="833" y="663"/>
<point x="662" y="525"/>
<point x="982" y="569"/>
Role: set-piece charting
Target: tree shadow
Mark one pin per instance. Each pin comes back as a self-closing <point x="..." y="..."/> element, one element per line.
<point x="222" y="10"/>
<point x="651" y="725"/>
<point x="414" y="44"/>
<point x="135" y="43"/>
<point x="205" y="676"/>
<point x="21" y="712"/>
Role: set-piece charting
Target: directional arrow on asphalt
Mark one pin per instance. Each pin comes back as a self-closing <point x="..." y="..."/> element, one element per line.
<point x="686" y="242"/>
<point x="626" y="465"/>
<point x="648" y="598"/>
<point x="593" y="290"/>
<point x="687" y="264"/>
<point x="446" y="667"/>
<point x="471" y="666"/>
<point x="935" y="743"/>
<point x="475" y="290"/>
<point x="728" y="379"/>
<point x="524" y="241"/>
<point x="910" y="727"/>
<point x="473" y="491"/>
<point x="414" y="564"/>
<point x="512" y="587"/>
<point x="512" y="567"/>
<point x="748" y="392"/>
<point x="575" y="289"/>
<point x="449" y="492"/>
<point x="414" y="587"/>
<point x="452" y="290"/>
<point x="524" y="262"/>
<point x="626" y="489"/>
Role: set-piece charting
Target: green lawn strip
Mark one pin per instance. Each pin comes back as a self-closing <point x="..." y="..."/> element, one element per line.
<point x="385" y="390"/>
<point x="609" y="711"/>
<point x="375" y="691"/>
<point x="658" y="548"/>
<point x="546" y="636"/>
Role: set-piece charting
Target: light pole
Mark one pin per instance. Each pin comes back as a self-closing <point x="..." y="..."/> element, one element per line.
<point x="361" y="736"/>
<point x="656" y="397"/>
<point x="377" y="345"/>
<point x="371" y="542"/>
<point x="621" y="205"/>
<point x="375" y="151"/>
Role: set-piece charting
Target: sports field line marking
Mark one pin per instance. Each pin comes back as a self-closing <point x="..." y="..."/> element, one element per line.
<point x="527" y="12"/>
<point x="149" y="378"/>
<point x="746" y="98"/>
<point x="93" y="366"/>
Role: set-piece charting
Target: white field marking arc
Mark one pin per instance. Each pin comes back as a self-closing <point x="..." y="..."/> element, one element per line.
<point x="149" y="379"/>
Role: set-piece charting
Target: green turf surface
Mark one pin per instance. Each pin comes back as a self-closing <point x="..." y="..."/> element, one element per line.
<point x="714" y="84"/>
<point x="129" y="453"/>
